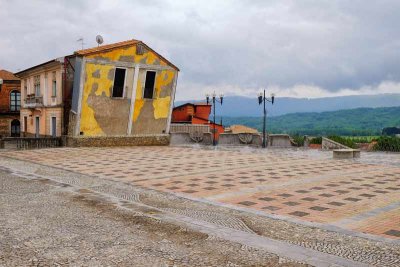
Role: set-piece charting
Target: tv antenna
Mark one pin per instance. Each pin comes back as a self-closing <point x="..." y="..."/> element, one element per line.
<point x="99" y="40"/>
<point x="81" y="40"/>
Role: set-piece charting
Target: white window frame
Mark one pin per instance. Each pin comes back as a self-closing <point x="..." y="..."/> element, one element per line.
<point x="25" y="88"/>
<point x="54" y="79"/>
<point x="123" y="88"/>
<point x="17" y="108"/>
<point x="36" y="86"/>
<point x="144" y="83"/>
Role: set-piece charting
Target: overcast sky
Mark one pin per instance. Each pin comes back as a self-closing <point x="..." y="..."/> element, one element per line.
<point x="294" y="48"/>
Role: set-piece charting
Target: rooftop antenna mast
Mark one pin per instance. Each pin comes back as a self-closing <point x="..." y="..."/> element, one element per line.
<point x="81" y="40"/>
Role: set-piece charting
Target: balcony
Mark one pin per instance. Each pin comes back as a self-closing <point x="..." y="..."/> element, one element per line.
<point x="33" y="101"/>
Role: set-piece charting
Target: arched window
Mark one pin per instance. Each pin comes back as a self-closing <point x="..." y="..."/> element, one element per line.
<point x="15" y="100"/>
<point x="15" y="128"/>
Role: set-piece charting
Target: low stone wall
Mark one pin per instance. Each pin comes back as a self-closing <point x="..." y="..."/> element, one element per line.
<point x="189" y="128"/>
<point x="329" y="144"/>
<point x="346" y="153"/>
<point x="185" y="138"/>
<point x="134" y="140"/>
<point x="279" y="140"/>
<point x="240" y="139"/>
<point x="31" y="143"/>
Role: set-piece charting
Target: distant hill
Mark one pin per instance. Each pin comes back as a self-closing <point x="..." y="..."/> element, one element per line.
<point x="360" y="121"/>
<point x="236" y="106"/>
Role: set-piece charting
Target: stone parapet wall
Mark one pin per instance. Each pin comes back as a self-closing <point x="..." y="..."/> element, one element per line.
<point x="280" y="140"/>
<point x="104" y="141"/>
<point x="224" y="139"/>
<point x="187" y="138"/>
<point x="240" y="139"/>
<point x="329" y="144"/>
<point x="189" y="128"/>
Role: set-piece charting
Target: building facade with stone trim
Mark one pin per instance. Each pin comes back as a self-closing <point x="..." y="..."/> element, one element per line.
<point x="46" y="98"/>
<point x="10" y="99"/>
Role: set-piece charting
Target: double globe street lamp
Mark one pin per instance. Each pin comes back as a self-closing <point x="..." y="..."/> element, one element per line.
<point x="263" y="99"/>
<point x="214" y="100"/>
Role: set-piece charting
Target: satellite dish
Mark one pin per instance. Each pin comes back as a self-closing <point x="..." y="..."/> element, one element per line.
<point x="99" y="39"/>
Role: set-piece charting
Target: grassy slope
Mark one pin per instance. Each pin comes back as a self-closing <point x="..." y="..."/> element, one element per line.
<point x="360" y="121"/>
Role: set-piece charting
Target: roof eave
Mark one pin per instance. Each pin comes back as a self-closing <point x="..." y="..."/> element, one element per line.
<point x="18" y="74"/>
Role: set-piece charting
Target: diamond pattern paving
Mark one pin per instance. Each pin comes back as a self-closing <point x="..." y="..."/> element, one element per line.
<point x="361" y="195"/>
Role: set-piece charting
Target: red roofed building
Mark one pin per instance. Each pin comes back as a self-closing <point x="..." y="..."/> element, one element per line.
<point x="195" y="114"/>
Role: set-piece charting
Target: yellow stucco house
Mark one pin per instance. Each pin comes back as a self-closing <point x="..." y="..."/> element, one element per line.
<point x="124" y="88"/>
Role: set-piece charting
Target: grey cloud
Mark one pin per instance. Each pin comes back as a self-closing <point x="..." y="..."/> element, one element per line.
<point x="246" y="44"/>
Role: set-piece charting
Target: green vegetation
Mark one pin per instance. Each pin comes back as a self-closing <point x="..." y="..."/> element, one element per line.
<point x="362" y="139"/>
<point x="351" y="122"/>
<point x="348" y="127"/>
<point x="316" y="140"/>
<point x="387" y="143"/>
<point x="299" y="140"/>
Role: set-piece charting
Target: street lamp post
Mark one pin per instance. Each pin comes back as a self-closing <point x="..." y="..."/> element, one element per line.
<point x="214" y="100"/>
<point x="263" y="99"/>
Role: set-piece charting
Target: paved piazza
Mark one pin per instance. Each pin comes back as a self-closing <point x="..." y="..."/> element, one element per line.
<point x="295" y="185"/>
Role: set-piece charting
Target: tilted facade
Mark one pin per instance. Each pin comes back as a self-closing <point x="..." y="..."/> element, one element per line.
<point x="122" y="89"/>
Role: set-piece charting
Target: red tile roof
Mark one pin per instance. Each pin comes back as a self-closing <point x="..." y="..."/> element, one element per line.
<point x="193" y="105"/>
<point x="241" y="129"/>
<point x="6" y="75"/>
<point x="105" y="48"/>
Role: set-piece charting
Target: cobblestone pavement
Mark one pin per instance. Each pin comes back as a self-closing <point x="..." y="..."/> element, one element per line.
<point x="322" y="204"/>
<point x="41" y="224"/>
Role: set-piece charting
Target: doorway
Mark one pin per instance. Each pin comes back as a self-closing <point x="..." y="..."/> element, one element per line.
<point x="15" y="128"/>
<point x="25" y="125"/>
<point x="53" y="127"/>
<point x="37" y="130"/>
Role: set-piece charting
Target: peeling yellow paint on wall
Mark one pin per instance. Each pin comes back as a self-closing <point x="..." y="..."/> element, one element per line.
<point x="89" y="125"/>
<point x="161" y="107"/>
<point x="139" y="103"/>
<point x="164" y="78"/>
<point x="139" y="90"/>
<point x="100" y="84"/>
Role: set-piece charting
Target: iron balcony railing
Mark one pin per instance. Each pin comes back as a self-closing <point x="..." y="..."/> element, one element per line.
<point x="33" y="101"/>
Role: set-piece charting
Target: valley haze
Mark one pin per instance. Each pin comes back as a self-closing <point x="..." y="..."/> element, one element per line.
<point x="239" y="106"/>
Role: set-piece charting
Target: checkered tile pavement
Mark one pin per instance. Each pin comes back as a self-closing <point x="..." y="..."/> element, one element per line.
<point x="307" y="185"/>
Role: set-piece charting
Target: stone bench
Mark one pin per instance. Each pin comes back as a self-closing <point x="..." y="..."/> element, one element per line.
<point x="346" y="153"/>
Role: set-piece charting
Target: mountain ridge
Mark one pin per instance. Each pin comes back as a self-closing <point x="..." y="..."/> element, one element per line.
<point x="249" y="106"/>
<point x="359" y="121"/>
